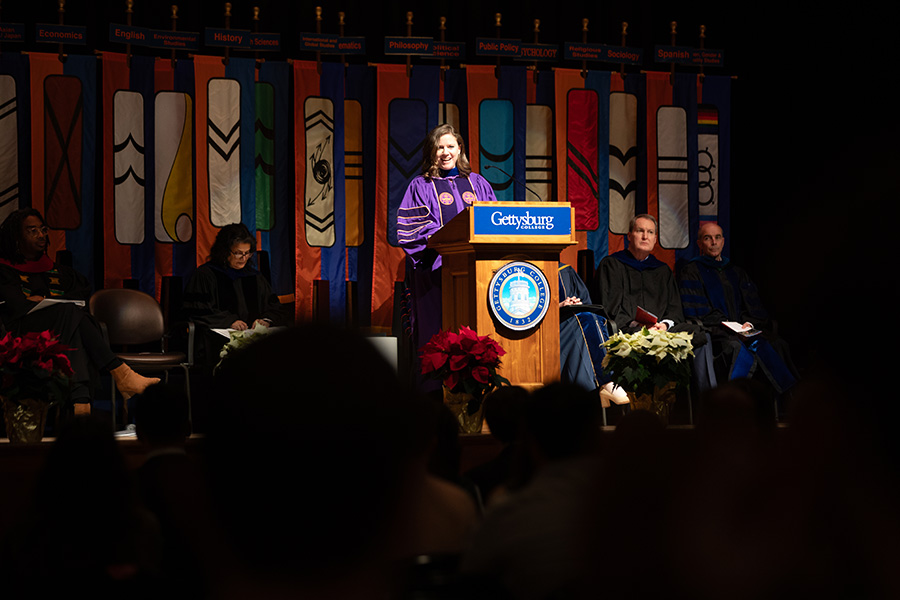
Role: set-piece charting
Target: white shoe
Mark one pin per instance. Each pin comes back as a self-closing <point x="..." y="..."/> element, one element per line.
<point x="611" y="392"/>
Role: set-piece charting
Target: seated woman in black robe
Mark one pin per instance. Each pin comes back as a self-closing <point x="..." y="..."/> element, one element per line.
<point x="28" y="276"/>
<point x="228" y="292"/>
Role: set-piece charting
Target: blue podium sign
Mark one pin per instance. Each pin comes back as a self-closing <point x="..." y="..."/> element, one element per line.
<point x="545" y="220"/>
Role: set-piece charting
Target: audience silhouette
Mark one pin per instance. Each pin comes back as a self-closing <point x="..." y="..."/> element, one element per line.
<point x="312" y="482"/>
<point x="86" y="528"/>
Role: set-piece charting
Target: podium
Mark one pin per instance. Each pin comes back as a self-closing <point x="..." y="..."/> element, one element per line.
<point x="477" y="248"/>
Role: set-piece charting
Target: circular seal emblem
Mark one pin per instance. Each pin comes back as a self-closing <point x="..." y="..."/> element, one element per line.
<point x="445" y="198"/>
<point x="519" y="295"/>
<point x="468" y="197"/>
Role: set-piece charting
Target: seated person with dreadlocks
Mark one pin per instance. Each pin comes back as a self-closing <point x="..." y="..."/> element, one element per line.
<point x="28" y="276"/>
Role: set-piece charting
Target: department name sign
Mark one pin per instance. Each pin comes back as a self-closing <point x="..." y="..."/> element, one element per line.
<point x="689" y="56"/>
<point x="408" y="46"/>
<point x="328" y="43"/>
<point x="60" y="34"/>
<point x="603" y="53"/>
<point x="174" y="40"/>
<point x="448" y="50"/>
<point x="551" y="220"/>
<point x="154" y="38"/>
<point x="229" y="38"/>
<point x="516" y="49"/>
<point x="12" y="32"/>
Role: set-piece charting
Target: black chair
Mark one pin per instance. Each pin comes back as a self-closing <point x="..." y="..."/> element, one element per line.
<point x="131" y="318"/>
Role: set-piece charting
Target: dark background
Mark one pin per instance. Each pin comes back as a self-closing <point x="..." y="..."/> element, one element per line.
<point x="814" y="182"/>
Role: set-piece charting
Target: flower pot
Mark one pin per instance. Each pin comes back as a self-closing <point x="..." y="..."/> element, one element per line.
<point x="458" y="404"/>
<point x="659" y="402"/>
<point x="25" y="419"/>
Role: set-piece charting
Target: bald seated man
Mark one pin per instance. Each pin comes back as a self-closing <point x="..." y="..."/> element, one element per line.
<point x="714" y="290"/>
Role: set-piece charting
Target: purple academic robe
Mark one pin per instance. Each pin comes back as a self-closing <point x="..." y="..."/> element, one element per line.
<point x="422" y="213"/>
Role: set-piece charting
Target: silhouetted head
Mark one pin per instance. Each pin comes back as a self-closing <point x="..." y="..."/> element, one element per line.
<point x="503" y="411"/>
<point x="308" y="448"/>
<point x="161" y="415"/>
<point x="563" y="420"/>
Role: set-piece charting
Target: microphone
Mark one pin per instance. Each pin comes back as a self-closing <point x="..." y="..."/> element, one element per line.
<point x="516" y="180"/>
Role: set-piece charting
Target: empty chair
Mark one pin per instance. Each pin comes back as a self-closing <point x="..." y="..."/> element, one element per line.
<point x="132" y="318"/>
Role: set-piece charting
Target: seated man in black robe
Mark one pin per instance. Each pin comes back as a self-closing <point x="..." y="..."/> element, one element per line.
<point x="713" y="290"/>
<point x="635" y="278"/>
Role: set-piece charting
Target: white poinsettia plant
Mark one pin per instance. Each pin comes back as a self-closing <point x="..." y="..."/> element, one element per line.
<point x="646" y="360"/>
<point x="240" y="339"/>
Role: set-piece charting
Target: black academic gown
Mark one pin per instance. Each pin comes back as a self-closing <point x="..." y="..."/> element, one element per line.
<point x="72" y="324"/>
<point x="217" y="296"/>
<point x="580" y="336"/>
<point x="714" y="291"/>
<point x="624" y="283"/>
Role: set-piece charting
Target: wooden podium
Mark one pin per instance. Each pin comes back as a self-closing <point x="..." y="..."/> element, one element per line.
<point x="477" y="243"/>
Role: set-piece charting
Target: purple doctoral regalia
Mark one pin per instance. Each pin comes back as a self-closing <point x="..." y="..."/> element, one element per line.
<point x="426" y="207"/>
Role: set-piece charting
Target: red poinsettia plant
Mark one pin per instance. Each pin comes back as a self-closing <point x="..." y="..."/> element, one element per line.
<point x="34" y="366"/>
<point x="465" y="362"/>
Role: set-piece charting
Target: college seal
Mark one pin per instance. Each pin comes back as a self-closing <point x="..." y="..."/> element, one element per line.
<point x="519" y="295"/>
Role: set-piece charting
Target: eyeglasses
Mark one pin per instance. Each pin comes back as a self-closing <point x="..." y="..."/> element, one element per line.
<point x="36" y="231"/>
<point x="238" y="254"/>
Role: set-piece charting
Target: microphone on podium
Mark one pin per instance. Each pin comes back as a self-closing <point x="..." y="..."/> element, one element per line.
<point x="516" y="180"/>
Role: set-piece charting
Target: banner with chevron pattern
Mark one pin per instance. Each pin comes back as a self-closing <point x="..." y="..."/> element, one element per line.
<point x="187" y="148"/>
<point x="149" y="144"/>
<point x="225" y="149"/>
<point x="399" y="140"/>
<point x="319" y="181"/>
<point x="14" y="135"/>
<point x="128" y="240"/>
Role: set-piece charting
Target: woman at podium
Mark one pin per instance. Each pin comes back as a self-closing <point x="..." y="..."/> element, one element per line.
<point x="446" y="186"/>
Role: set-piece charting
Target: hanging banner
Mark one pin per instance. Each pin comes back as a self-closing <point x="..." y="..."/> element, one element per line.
<point x="320" y="247"/>
<point x="273" y="166"/>
<point x="63" y="159"/>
